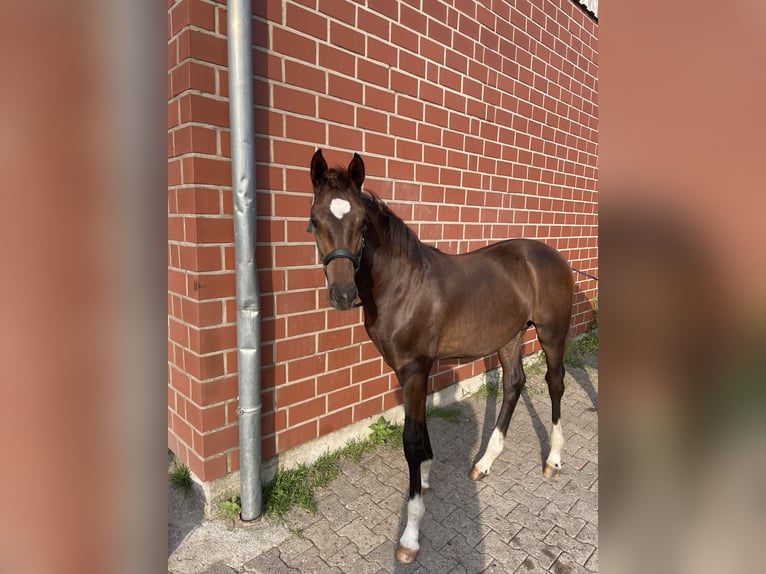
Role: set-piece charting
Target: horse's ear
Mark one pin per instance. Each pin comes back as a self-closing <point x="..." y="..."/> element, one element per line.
<point x="318" y="168"/>
<point x="356" y="171"/>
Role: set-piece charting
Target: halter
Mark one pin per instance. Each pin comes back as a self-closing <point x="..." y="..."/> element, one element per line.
<point x="356" y="258"/>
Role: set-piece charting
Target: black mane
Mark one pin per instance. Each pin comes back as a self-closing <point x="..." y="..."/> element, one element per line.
<point x="402" y="239"/>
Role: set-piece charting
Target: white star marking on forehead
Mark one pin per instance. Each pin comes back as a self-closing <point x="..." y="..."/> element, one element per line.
<point x="340" y="207"/>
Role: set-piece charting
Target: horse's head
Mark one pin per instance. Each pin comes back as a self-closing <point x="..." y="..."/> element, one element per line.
<point x="338" y="219"/>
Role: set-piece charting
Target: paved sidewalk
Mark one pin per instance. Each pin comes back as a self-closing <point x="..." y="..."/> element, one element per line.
<point x="513" y="521"/>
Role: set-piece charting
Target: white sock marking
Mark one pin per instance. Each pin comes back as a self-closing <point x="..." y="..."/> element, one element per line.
<point x="557" y="443"/>
<point x="494" y="448"/>
<point x="415" y="511"/>
<point x="340" y="207"/>
<point x="425" y="470"/>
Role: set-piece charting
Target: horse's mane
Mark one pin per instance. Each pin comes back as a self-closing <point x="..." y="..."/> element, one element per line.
<point x="402" y="239"/>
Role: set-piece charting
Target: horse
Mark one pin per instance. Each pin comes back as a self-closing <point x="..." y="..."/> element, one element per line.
<point x="421" y="304"/>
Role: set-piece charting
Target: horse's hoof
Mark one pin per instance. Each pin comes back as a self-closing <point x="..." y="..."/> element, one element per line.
<point x="551" y="471"/>
<point x="476" y="474"/>
<point x="406" y="555"/>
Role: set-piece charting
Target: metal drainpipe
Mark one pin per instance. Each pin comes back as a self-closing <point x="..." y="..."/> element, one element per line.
<point x="239" y="21"/>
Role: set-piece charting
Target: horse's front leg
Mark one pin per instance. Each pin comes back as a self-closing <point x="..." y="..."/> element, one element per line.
<point x="417" y="449"/>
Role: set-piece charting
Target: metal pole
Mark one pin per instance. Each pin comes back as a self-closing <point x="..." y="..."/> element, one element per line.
<point x="240" y="46"/>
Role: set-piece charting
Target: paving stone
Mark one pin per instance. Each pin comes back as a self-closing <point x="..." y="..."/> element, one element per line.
<point x="269" y="563"/>
<point x="566" y="564"/>
<point x="310" y="562"/>
<point x="531" y="500"/>
<point x="581" y="551"/>
<point x="571" y="524"/>
<point x="300" y="518"/>
<point x="539" y="526"/>
<point x="497" y="547"/>
<point x="472" y="530"/>
<point x="324" y="538"/>
<point x="460" y="550"/>
<point x="530" y="565"/>
<point x="348" y="560"/>
<point x="436" y="532"/>
<point x="430" y="560"/>
<point x="582" y="510"/>
<point x="500" y="525"/>
<point x="564" y="499"/>
<point x="220" y="568"/>
<point x="334" y="511"/>
<point x="544" y="553"/>
<point x="588" y="534"/>
<point x="294" y="545"/>
<point x="363" y="538"/>
<point x="366" y="507"/>
<point x="345" y="489"/>
<point x="592" y="563"/>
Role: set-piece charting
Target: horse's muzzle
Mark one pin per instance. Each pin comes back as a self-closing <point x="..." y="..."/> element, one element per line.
<point x="342" y="296"/>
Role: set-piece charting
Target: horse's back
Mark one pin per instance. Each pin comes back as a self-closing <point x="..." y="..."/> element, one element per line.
<point x="539" y="276"/>
<point x="489" y="295"/>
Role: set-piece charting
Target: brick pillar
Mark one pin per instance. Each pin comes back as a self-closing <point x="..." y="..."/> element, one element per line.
<point x="202" y="363"/>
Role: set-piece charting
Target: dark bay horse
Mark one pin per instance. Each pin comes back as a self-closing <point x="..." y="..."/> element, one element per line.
<point x="421" y="305"/>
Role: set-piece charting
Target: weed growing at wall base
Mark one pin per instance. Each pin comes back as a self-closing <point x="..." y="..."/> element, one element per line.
<point x="180" y="477"/>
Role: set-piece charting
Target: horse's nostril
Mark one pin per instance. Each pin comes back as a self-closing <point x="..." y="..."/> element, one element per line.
<point x="342" y="295"/>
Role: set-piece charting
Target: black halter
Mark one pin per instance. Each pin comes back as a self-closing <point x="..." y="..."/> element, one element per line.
<point x="356" y="258"/>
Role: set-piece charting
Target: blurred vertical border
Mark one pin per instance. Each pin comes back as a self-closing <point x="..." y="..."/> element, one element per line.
<point x="683" y="299"/>
<point x="83" y="287"/>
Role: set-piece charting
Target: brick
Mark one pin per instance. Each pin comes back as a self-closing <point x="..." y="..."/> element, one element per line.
<point x="308" y="130"/>
<point x="342" y="10"/>
<point x="326" y="383"/>
<point x="203" y="109"/>
<point x="345" y="138"/>
<point x="368" y="408"/>
<point x="373" y="73"/>
<point x="347" y="38"/>
<point x="294" y="45"/>
<point x="292" y="100"/>
<point x="306" y="21"/>
<point x="306" y="411"/>
<point x="295" y="436"/>
<point x="336" y="60"/>
<point x="294" y="348"/>
<point x="306" y="367"/>
<point x="335" y="421"/>
<point x="336" y="111"/>
<point x="192" y="75"/>
<point x="203" y="46"/>
<point x="219" y="441"/>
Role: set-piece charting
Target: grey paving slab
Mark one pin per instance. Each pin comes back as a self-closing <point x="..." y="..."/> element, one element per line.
<point x="513" y="521"/>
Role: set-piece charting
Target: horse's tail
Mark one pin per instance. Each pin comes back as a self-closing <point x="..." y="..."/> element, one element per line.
<point x="586" y="274"/>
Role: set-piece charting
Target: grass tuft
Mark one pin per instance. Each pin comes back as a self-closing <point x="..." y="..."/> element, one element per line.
<point x="489" y="391"/>
<point x="181" y="477"/>
<point x="452" y="414"/>
<point x="288" y="488"/>
<point x="580" y="347"/>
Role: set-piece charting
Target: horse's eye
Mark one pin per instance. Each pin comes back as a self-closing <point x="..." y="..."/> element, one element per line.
<point x="312" y="224"/>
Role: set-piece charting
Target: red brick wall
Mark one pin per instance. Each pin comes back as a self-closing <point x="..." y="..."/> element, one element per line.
<point x="477" y="121"/>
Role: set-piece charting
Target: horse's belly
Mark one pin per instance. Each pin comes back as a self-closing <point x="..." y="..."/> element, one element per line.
<point x="477" y="335"/>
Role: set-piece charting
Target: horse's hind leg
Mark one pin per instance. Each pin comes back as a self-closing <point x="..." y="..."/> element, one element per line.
<point x="513" y="381"/>
<point x="553" y="342"/>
